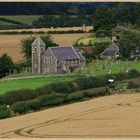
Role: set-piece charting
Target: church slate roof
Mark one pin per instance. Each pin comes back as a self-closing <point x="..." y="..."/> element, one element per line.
<point x="64" y="53"/>
<point x="112" y="50"/>
<point x="80" y="56"/>
<point x="38" y="42"/>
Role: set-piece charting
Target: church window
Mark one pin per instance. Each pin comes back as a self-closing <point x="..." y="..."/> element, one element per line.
<point x="35" y="50"/>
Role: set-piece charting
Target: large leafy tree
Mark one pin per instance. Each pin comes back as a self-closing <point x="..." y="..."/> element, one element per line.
<point x="123" y="14"/>
<point x="6" y="64"/>
<point x="103" y="18"/>
<point x="129" y="41"/>
<point x="26" y="44"/>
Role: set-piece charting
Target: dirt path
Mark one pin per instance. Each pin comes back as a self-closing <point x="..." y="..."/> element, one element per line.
<point x="110" y="116"/>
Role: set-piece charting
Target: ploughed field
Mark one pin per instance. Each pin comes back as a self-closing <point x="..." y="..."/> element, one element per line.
<point x="10" y="44"/>
<point x="109" y="116"/>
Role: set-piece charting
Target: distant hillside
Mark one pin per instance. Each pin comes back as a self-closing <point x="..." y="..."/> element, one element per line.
<point x="51" y="8"/>
<point x="17" y="22"/>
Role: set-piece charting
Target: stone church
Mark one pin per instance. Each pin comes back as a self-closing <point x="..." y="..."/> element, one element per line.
<point x="60" y="59"/>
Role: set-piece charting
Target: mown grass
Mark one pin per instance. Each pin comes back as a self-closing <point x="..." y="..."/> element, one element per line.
<point x="91" y="41"/>
<point x="31" y="83"/>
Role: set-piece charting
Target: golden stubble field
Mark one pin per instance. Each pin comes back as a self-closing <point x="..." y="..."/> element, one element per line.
<point x="110" y="116"/>
<point x="10" y="44"/>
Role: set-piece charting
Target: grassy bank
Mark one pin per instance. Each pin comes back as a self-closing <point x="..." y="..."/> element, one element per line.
<point x="31" y="83"/>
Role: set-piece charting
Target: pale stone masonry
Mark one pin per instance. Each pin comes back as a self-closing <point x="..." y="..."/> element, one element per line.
<point x="55" y="59"/>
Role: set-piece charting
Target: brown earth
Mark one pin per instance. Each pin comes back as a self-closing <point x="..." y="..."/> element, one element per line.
<point x="10" y="44"/>
<point x="110" y="116"/>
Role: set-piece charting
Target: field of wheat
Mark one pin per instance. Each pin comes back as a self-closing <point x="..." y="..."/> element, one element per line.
<point x="10" y="44"/>
<point x="111" y="116"/>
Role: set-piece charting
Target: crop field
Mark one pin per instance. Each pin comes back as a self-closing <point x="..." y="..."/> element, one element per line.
<point x="115" y="116"/>
<point x="31" y="83"/>
<point x="10" y="44"/>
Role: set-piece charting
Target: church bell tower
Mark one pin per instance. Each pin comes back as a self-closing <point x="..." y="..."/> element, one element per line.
<point x="38" y="48"/>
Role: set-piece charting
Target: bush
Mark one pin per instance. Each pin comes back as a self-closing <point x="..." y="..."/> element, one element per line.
<point x="52" y="99"/>
<point x="97" y="92"/>
<point x="20" y="95"/>
<point x="134" y="84"/>
<point x="103" y="33"/>
<point x="34" y="104"/>
<point x="62" y="87"/>
<point x="20" y="107"/>
<point x="133" y="74"/>
<point x="47" y="89"/>
<point x="74" y="96"/>
<point x="5" y="113"/>
<point x="85" y="83"/>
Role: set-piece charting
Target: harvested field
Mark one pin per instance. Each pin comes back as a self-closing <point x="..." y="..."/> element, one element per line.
<point x="10" y="44"/>
<point x="110" y="116"/>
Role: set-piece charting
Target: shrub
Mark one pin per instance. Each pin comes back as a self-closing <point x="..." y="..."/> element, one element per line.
<point x="74" y="96"/>
<point x="97" y="92"/>
<point x="62" y="87"/>
<point x="47" y="89"/>
<point x="134" y="84"/>
<point x="19" y="95"/>
<point x="5" y="113"/>
<point x="20" y="107"/>
<point x="52" y="99"/>
<point x="84" y="83"/>
<point x="34" y="104"/>
<point x="133" y="73"/>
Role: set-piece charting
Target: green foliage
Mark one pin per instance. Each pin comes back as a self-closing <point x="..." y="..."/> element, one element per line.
<point x="20" y="107"/>
<point x="6" y="64"/>
<point x="26" y="44"/>
<point x="4" y="112"/>
<point x="123" y="14"/>
<point x="19" y="95"/>
<point x="100" y="47"/>
<point x="103" y="18"/>
<point x="63" y="87"/>
<point x="61" y="21"/>
<point x="52" y="99"/>
<point x="128" y="42"/>
<point x="103" y="33"/>
<point x="134" y="83"/>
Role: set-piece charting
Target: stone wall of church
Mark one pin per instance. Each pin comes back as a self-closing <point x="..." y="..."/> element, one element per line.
<point x="49" y="63"/>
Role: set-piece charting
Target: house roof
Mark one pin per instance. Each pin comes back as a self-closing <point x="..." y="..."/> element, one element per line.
<point x="64" y="53"/>
<point x="38" y="42"/>
<point x="111" y="50"/>
<point x="81" y="57"/>
<point x="88" y="49"/>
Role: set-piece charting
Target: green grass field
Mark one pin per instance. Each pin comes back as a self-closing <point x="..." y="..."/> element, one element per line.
<point x="91" y="41"/>
<point x="25" y="19"/>
<point x="98" y="67"/>
<point x="86" y="41"/>
<point x="31" y="83"/>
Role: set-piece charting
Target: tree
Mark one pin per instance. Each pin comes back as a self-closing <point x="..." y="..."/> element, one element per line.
<point x="26" y="44"/>
<point x="100" y="47"/>
<point x="6" y="64"/>
<point x="122" y="14"/>
<point x="129" y="41"/>
<point x="103" y="18"/>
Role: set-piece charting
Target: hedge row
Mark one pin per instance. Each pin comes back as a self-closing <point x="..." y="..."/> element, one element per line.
<point x="78" y="84"/>
<point x="56" y="99"/>
<point x="134" y="84"/>
<point x="32" y="32"/>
